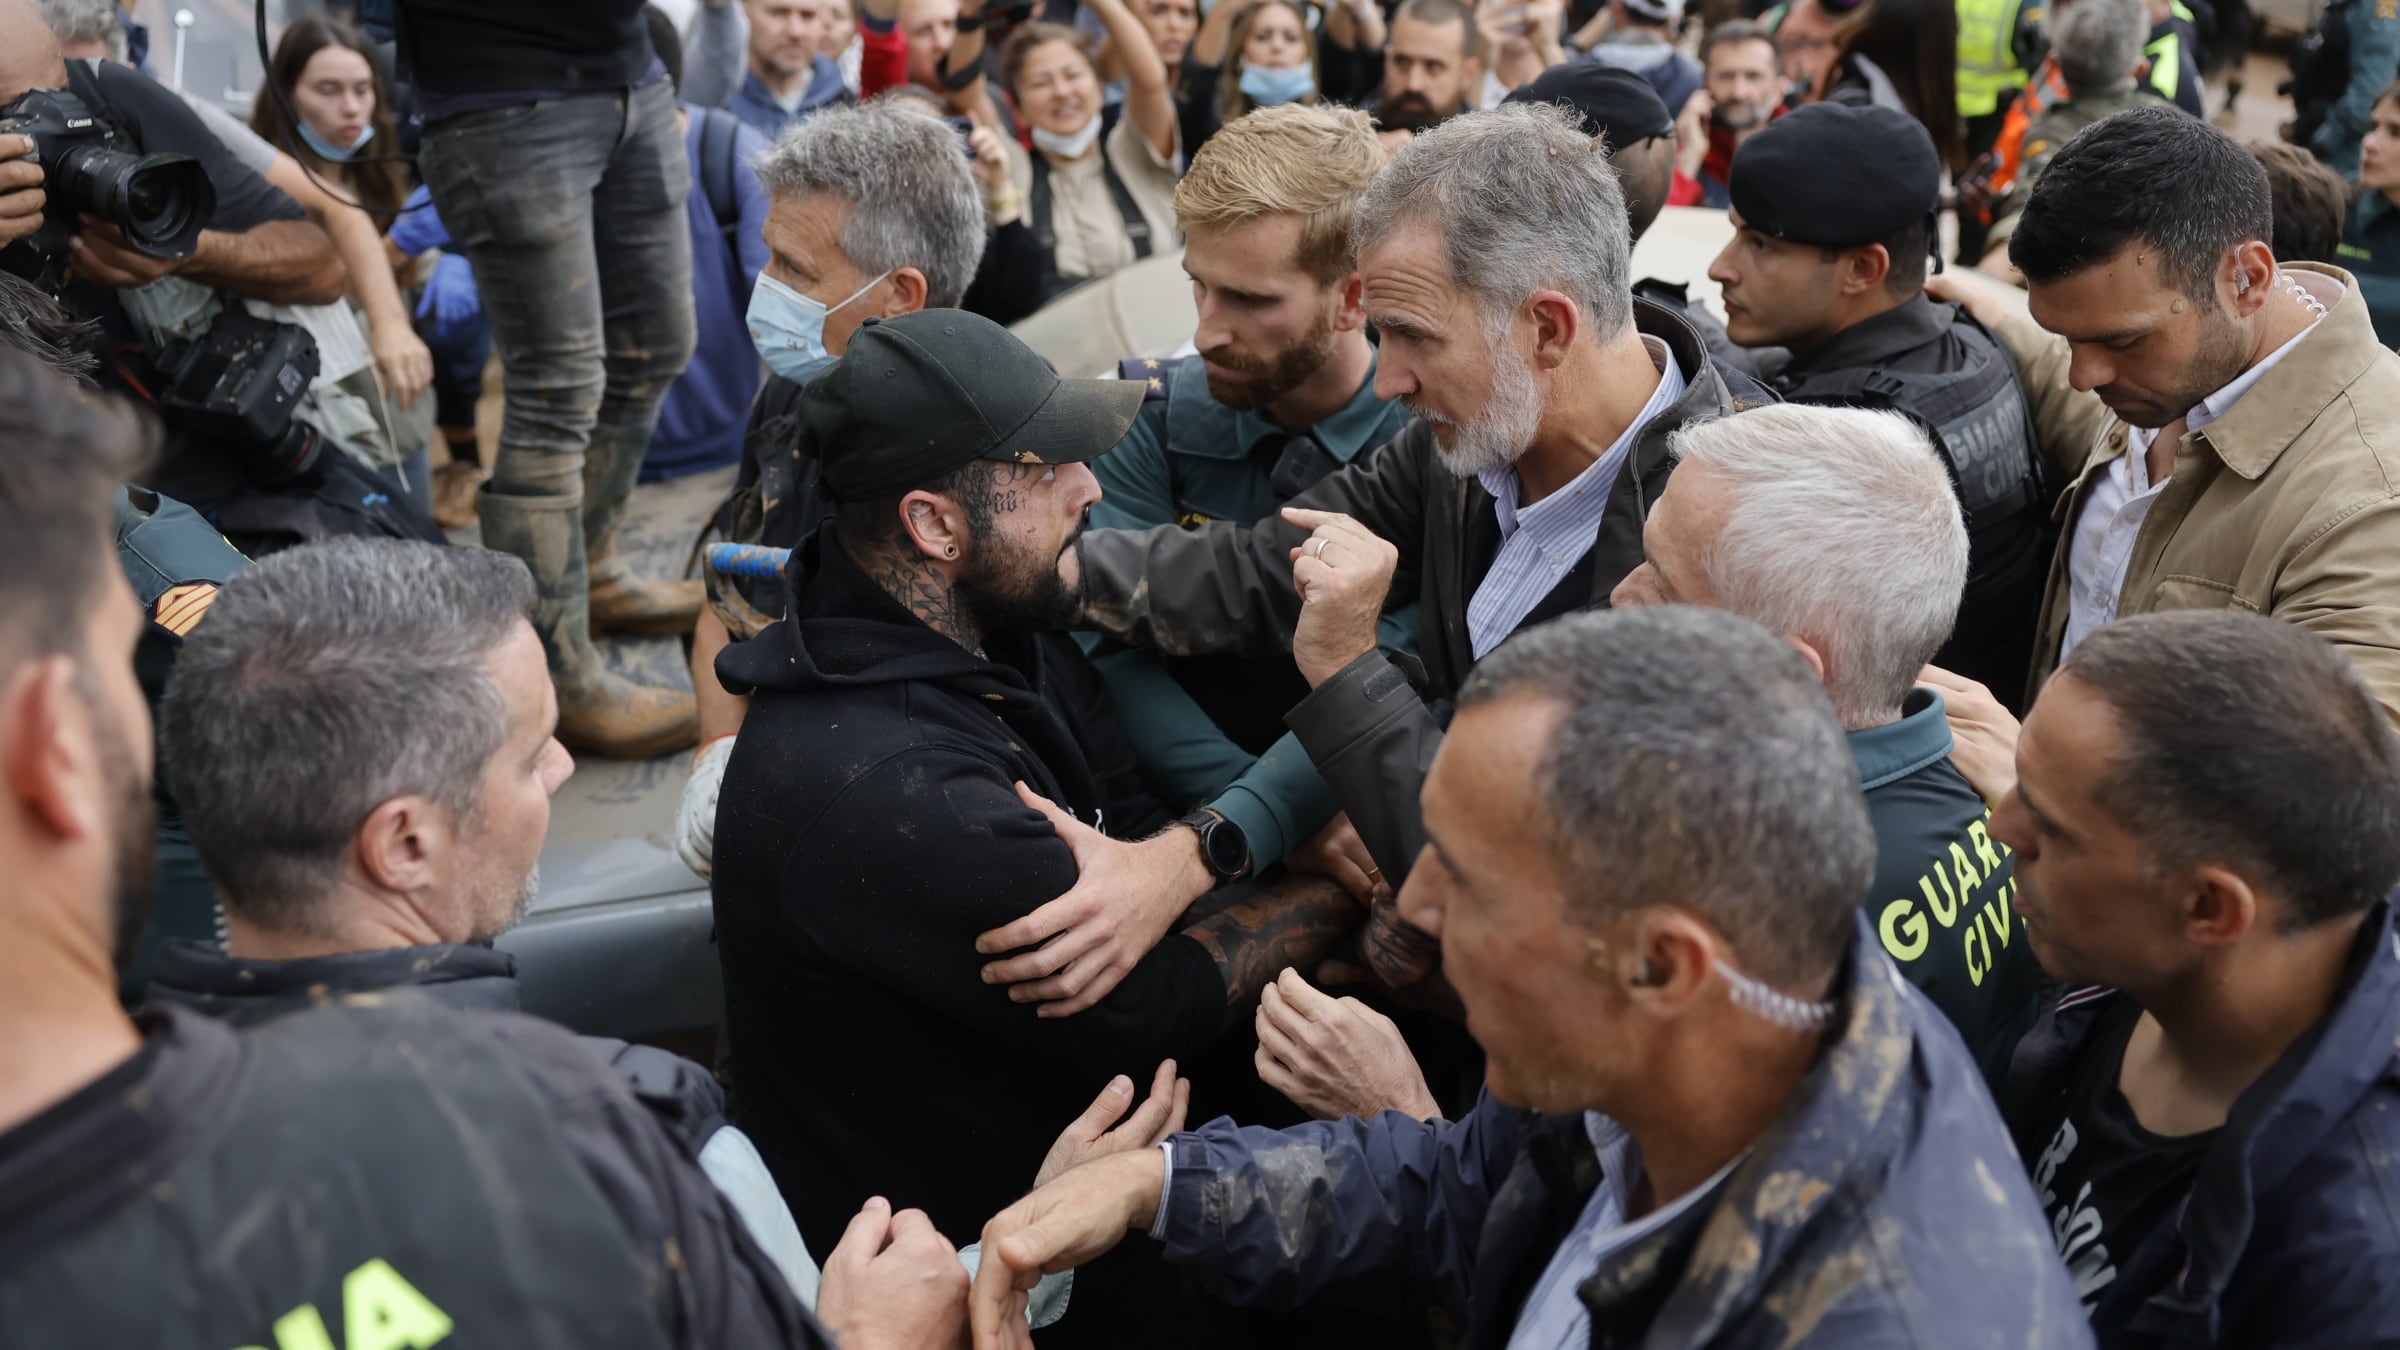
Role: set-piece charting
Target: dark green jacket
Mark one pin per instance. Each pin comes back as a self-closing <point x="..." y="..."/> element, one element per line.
<point x="2371" y="250"/>
<point x="1209" y="729"/>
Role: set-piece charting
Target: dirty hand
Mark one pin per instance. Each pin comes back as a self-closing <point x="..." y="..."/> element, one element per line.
<point x="1983" y="735"/>
<point x="1126" y="897"/>
<point x="1060" y="1226"/>
<point x="1389" y="950"/>
<point x="1342" y="572"/>
<point x="99" y="254"/>
<point x="21" y="195"/>
<point x="1336" y="851"/>
<point x="894" y="1283"/>
<point x="403" y="360"/>
<point x="1336" y="1057"/>
<point x="1090" y="1137"/>
<point x="696" y="812"/>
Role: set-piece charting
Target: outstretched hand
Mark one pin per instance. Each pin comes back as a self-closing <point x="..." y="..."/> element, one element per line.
<point x="1074" y="1219"/>
<point x="1090" y="1136"/>
<point x="1125" y="898"/>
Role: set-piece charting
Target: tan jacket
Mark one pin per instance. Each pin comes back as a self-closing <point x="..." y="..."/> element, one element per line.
<point x="2289" y="505"/>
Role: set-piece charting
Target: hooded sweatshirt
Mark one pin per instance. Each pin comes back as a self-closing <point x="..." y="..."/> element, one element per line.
<point x="867" y="832"/>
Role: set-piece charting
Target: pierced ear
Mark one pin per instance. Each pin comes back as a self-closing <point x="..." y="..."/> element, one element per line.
<point x="934" y="527"/>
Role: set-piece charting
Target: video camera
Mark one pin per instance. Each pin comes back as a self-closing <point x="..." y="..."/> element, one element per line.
<point x="90" y="166"/>
<point x="235" y="386"/>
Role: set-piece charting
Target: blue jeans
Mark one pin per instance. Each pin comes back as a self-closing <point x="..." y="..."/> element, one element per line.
<point x="571" y="212"/>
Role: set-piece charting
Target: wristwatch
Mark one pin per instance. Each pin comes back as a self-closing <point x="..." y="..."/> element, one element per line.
<point x="1223" y="846"/>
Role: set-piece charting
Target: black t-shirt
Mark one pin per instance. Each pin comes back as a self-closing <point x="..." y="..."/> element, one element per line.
<point x="2106" y="1182"/>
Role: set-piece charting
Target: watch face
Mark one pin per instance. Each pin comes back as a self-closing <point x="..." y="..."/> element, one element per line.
<point x="1228" y="848"/>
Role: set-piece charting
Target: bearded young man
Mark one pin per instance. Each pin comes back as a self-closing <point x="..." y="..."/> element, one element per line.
<point x="1281" y="394"/>
<point x="1493" y="259"/>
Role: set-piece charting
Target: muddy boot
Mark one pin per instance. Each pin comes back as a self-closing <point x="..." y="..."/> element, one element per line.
<point x="621" y="601"/>
<point x="599" y="710"/>
<point x="455" y="487"/>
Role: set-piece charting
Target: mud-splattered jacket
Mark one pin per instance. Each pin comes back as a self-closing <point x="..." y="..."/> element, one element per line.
<point x="1883" y="1207"/>
<point x="2291" y="1234"/>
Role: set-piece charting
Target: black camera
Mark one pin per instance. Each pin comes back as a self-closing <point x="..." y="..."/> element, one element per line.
<point x="90" y="166"/>
<point x="234" y="388"/>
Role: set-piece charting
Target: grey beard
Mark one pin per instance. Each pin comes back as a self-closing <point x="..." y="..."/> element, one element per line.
<point x="1510" y="416"/>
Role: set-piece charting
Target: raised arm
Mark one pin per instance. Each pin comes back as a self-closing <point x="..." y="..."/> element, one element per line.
<point x="1147" y="99"/>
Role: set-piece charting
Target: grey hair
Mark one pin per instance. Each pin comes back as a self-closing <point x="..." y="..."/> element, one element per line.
<point x="1525" y="201"/>
<point x="84" y="21"/>
<point x="1698" y="763"/>
<point x="325" y="681"/>
<point x="1844" y="531"/>
<point x="913" y="201"/>
<point x="2098" y="42"/>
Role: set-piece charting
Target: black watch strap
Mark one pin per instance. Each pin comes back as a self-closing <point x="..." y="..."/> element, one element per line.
<point x="1223" y="846"/>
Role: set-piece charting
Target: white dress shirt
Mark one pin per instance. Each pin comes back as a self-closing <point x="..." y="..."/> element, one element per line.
<point x="1554" y="1317"/>
<point x="1541" y="543"/>
<point x="2101" y="552"/>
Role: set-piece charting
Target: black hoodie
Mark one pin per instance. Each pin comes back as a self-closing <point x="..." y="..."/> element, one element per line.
<point x="867" y="832"/>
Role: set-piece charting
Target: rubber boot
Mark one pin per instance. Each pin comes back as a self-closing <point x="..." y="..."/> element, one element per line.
<point x="599" y="711"/>
<point x="621" y="601"/>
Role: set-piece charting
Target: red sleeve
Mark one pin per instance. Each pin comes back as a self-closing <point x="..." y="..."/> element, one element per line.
<point x="1685" y="192"/>
<point x="882" y="60"/>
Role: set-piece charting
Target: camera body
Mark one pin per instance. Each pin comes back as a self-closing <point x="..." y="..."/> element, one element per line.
<point x="235" y="387"/>
<point x="89" y="165"/>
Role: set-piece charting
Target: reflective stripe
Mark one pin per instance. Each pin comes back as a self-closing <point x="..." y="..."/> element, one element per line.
<point x="2166" y="64"/>
<point x="1987" y="59"/>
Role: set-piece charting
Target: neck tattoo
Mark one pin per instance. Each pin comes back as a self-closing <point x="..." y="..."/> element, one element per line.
<point x="912" y="579"/>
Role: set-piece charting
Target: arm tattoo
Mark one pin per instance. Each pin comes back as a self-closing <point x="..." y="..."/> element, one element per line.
<point x="1297" y="922"/>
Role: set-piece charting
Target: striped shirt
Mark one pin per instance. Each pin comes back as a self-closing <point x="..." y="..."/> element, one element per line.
<point x="1542" y="542"/>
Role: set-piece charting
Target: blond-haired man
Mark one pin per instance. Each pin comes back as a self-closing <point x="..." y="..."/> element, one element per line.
<point x="1281" y="394"/>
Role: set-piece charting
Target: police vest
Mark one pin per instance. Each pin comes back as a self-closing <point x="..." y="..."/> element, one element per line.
<point x="175" y="561"/>
<point x="367" y="1179"/>
<point x="1977" y="416"/>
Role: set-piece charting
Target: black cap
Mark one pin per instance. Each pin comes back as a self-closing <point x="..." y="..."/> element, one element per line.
<point x="1614" y="103"/>
<point x="1837" y="176"/>
<point x="918" y="396"/>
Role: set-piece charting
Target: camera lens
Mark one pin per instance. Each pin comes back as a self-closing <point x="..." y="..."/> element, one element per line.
<point x="161" y="202"/>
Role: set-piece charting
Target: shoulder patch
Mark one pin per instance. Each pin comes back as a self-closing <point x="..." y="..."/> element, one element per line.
<point x="180" y="608"/>
<point x="2387" y="10"/>
<point x="1155" y="373"/>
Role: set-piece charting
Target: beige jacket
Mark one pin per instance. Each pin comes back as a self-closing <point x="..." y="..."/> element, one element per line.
<point x="2289" y="505"/>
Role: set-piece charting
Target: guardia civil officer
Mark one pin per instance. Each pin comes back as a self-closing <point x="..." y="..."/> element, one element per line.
<point x="1281" y="394"/>
<point x="1833" y="215"/>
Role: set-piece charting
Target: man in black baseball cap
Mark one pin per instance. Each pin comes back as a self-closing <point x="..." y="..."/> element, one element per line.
<point x="1833" y="215"/>
<point x="927" y="760"/>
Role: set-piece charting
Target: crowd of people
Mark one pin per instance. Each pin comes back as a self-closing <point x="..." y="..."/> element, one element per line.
<point x="1489" y="802"/>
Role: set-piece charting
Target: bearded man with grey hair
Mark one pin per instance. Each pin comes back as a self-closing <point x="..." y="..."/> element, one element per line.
<point x="1494" y="252"/>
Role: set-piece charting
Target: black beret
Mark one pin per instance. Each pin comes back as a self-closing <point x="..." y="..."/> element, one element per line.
<point x="1836" y="176"/>
<point x="1614" y="103"/>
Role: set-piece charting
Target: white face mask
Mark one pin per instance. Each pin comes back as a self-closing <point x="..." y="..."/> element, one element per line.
<point x="1075" y="146"/>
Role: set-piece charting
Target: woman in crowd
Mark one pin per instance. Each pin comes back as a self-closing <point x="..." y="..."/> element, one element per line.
<point x="340" y="129"/>
<point x="1098" y="198"/>
<point x="2371" y="242"/>
<point x="1250" y="54"/>
<point x="1915" y="43"/>
<point x="1820" y="63"/>
<point x="1170" y="24"/>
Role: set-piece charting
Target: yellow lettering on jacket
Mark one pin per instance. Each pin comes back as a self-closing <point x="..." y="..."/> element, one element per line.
<point x="1944" y="914"/>
<point x="1983" y="844"/>
<point x="1979" y="953"/>
<point x="1900" y="917"/>
<point x="381" y="1310"/>
<point x="1968" y="877"/>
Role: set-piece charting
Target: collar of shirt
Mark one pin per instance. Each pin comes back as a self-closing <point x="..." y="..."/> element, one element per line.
<point x="2138" y="439"/>
<point x="1582" y="500"/>
<point x="1345" y="435"/>
<point x="1554" y="1317"/>
<point x="1891" y="752"/>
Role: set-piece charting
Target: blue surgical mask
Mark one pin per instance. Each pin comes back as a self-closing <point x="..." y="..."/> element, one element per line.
<point x="788" y="328"/>
<point x="327" y="148"/>
<point x="1270" y="86"/>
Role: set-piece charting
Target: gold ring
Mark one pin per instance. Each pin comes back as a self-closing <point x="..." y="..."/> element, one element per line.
<point x="1374" y="874"/>
<point x="1319" y="555"/>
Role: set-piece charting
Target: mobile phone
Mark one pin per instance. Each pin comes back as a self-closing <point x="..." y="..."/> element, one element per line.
<point x="1979" y="174"/>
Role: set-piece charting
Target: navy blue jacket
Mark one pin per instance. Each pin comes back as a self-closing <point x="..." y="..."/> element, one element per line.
<point x="2291" y="1236"/>
<point x="1884" y="1207"/>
